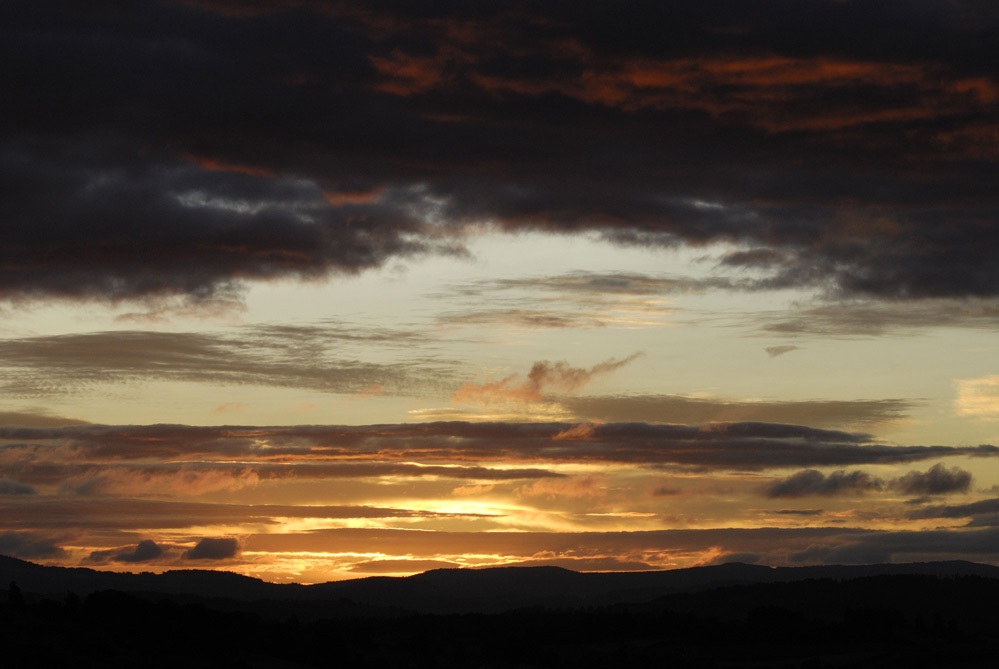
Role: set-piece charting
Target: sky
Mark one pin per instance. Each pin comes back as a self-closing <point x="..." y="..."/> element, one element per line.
<point x="313" y="290"/>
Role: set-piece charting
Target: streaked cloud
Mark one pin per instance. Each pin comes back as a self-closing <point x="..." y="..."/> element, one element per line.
<point x="284" y="356"/>
<point x="693" y="410"/>
<point x="874" y="318"/>
<point x="747" y="445"/>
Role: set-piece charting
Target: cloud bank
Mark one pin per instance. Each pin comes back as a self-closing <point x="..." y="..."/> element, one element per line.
<point x="853" y="152"/>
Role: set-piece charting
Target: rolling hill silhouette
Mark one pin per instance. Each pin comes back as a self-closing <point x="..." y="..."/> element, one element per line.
<point x="938" y="614"/>
<point x="451" y="591"/>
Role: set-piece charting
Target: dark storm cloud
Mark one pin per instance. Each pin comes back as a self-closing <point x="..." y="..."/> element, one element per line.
<point x="144" y="551"/>
<point x="719" y="446"/>
<point x="211" y="548"/>
<point x="285" y="356"/>
<point x="181" y="148"/>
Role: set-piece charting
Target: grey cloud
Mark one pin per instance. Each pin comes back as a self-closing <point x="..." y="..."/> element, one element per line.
<point x="8" y="487"/>
<point x="28" y="545"/>
<point x="983" y="507"/>
<point x="145" y="551"/>
<point x="212" y="548"/>
<point x="814" y="482"/>
<point x="938" y="480"/>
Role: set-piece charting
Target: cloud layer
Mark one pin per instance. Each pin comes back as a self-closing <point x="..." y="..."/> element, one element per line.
<point x="157" y="151"/>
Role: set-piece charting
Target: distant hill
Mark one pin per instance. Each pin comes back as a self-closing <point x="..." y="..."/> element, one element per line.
<point x="732" y="616"/>
<point x="444" y="591"/>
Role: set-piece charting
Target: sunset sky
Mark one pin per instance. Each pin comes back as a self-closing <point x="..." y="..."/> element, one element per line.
<point x="314" y="290"/>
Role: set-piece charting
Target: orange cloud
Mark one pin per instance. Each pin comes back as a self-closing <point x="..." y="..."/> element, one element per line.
<point x="583" y="486"/>
<point x="229" y="407"/>
<point x="406" y="74"/>
<point x="140" y="482"/>
<point x="342" y="198"/>
<point x="544" y="377"/>
<point x="776" y="93"/>
<point x="216" y="165"/>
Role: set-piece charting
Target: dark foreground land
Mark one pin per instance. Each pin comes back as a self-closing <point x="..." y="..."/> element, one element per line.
<point x="937" y="614"/>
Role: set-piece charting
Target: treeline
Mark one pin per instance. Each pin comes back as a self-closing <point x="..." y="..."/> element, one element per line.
<point x="885" y="621"/>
